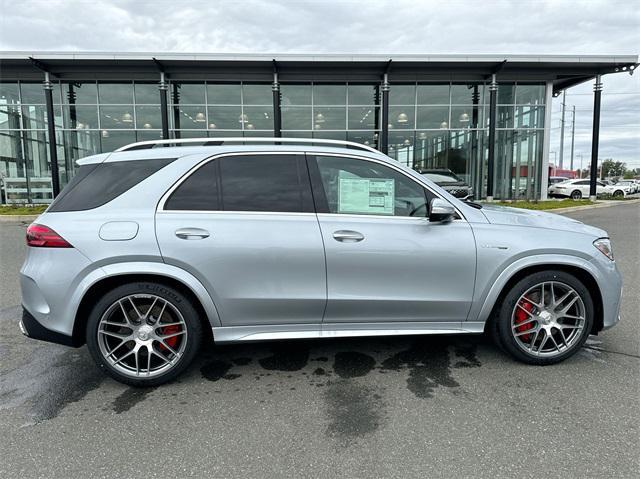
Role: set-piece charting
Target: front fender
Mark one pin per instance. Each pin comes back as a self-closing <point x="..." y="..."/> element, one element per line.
<point x="481" y="309"/>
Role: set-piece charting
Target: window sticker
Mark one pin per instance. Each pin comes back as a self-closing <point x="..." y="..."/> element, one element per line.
<point x="373" y="196"/>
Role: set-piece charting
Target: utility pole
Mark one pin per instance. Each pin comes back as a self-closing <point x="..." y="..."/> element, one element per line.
<point x="573" y="132"/>
<point x="564" y="96"/>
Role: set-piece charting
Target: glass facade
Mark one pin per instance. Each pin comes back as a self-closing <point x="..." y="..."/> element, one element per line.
<point x="431" y="126"/>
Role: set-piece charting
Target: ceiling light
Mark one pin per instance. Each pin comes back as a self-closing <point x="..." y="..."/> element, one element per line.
<point x="200" y="117"/>
<point x="250" y="126"/>
<point x="422" y="135"/>
<point x="212" y="126"/>
<point x="407" y="141"/>
<point x="464" y="118"/>
<point x="243" y="118"/>
<point x="147" y="126"/>
<point x="127" y="118"/>
<point x="402" y="118"/>
<point x="320" y="118"/>
<point x="79" y="126"/>
<point x="317" y="127"/>
<point x="366" y="142"/>
<point x="104" y="133"/>
<point x="444" y="125"/>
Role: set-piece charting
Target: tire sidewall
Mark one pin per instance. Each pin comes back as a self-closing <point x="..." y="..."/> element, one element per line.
<point x="177" y="299"/>
<point x="504" y="329"/>
<point x="576" y="195"/>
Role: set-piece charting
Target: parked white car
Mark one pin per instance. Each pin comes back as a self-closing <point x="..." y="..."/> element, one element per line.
<point x="629" y="186"/>
<point x="576" y="189"/>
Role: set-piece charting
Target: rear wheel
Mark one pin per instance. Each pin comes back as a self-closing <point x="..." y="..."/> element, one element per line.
<point x="545" y="318"/>
<point x="143" y="334"/>
<point x="576" y="195"/>
<point x="618" y="194"/>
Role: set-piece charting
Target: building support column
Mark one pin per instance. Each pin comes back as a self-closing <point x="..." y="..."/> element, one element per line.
<point x="595" y="140"/>
<point x="51" y="128"/>
<point x="542" y="167"/>
<point x="164" y="112"/>
<point x="493" y="90"/>
<point x="384" y="130"/>
<point x="277" y="117"/>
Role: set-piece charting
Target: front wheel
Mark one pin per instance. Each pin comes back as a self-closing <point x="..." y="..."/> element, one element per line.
<point x="545" y="318"/>
<point x="144" y="333"/>
<point x="618" y="194"/>
<point x="576" y="195"/>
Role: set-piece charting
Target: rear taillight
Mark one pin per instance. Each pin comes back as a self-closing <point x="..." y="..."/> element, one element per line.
<point x="40" y="236"/>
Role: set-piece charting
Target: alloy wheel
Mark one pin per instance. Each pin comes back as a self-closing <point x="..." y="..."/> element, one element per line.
<point x="548" y="319"/>
<point x="142" y="335"/>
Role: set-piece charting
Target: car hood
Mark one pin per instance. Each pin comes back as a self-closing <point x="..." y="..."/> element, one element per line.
<point x="502" y="215"/>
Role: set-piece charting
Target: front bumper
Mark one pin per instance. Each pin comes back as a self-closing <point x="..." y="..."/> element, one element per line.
<point x="30" y="327"/>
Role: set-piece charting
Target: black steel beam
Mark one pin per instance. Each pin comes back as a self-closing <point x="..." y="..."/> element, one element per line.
<point x="277" y="113"/>
<point x="595" y="140"/>
<point x="493" y="90"/>
<point x="384" y="128"/>
<point x="51" y="129"/>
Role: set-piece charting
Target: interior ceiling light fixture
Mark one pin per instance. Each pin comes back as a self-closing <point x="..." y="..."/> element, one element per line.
<point x="464" y="118"/>
<point x="243" y="118"/>
<point x="444" y="125"/>
<point x="127" y="118"/>
<point x="320" y="118"/>
<point x="147" y="126"/>
<point x="104" y="133"/>
<point x="402" y="118"/>
<point x="212" y="126"/>
<point x="200" y="117"/>
<point x="250" y="126"/>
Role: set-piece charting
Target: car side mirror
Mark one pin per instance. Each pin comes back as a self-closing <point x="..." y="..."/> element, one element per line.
<point x="440" y="210"/>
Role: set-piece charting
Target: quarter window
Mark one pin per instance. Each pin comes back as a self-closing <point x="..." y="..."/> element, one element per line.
<point x="353" y="186"/>
<point x="198" y="192"/>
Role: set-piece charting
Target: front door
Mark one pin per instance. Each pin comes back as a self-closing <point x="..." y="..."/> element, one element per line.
<point x="385" y="261"/>
<point x="245" y="226"/>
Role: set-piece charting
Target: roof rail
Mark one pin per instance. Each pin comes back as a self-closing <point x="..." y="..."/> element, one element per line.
<point x="141" y="145"/>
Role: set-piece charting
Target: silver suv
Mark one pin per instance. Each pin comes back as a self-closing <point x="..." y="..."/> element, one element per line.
<point x="148" y="250"/>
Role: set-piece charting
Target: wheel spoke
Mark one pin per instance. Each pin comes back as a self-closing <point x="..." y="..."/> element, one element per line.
<point x="571" y="303"/>
<point x="179" y="323"/>
<point x="114" y="335"/>
<point x="146" y="315"/>
<point x="167" y="336"/>
<point x="111" y="323"/>
<point x="528" y="331"/>
<point x="124" y="357"/>
<point x="124" y="312"/>
<point x="562" y="299"/>
<point x="525" y="310"/>
<point x="533" y="342"/>
<point x="171" y="350"/>
<point x="524" y="323"/>
<point x="553" y="340"/>
<point x="135" y="308"/>
<point x="149" y="353"/>
<point x="137" y="350"/>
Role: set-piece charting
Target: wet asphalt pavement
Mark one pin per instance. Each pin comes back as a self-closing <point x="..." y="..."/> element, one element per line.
<point x="383" y="407"/>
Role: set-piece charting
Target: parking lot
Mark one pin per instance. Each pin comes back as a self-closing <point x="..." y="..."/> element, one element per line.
<point x="383" y="407"/>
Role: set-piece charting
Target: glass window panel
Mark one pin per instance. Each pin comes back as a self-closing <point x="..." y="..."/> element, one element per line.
<point x="80" y="93"/>
<point x="362" y="94"/>
<point x="362" y="117"/>
<point x="116" y="93"/>
<point x="401" y="117"/>
<point x="329" y="118"/>
<point x="529" y="117"/>
<point x="329" y="94"/>
<point x="223" y="93"/>
<point x="112" y="140"/>
<point x="369" y="138"/>
<point x="530" y="94"/>
<point x="296" y="118"/>
<point x="330" y="135"/>
<point x="35" y="116"/>
<point x="462" y="116"/>
<point x="32" y="93"/>
<point x="81" y="143"/>
<point x="433" y="117"/>
<point x="506" y="94"/>
<point x="433" y="94"/>
<point x="463" y="94"/>
<point x="147" y="93"/>
<point x="257" y="94"/>
<point x="295" y="95"/>
<point x="191" y="93"/>
<point x="198" y="192"/>
<point x="192" y="117"/>
<point x="258" y="118"/>
<point x="145" y="135"/>
<point x="148" y="117"/>
<point x="9" y="92"/>
<point x="264" y="183"/>
<point x="80" y="117"/>
<point x="402" y="95"/>
<point x="517" y="156"/>
<point x="116" y="117"/>
<point x="9" y="116"/>
<point x="504" y="117"/>
<point x="225" y="118"/>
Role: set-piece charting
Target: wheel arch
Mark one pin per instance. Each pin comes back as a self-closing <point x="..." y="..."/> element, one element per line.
<point x="582" y="274"/>
<point x="107" y="283"/>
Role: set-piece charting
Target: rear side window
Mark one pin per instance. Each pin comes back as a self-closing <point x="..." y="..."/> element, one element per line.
<point x="262" y="183"/>
<point x="97" y="184"/>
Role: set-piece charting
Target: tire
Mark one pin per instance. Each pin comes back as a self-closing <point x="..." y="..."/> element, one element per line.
<point x="154" y="343"/>
<point x="521" y="328"/>
<point x="576" y="195"/>
<point x="618" y="194"/>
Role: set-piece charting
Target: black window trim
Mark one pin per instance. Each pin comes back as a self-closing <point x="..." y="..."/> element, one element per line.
<point x="302" y="176"/>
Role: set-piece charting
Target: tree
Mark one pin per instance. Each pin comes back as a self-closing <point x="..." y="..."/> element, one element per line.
<point x="613" y="168"/>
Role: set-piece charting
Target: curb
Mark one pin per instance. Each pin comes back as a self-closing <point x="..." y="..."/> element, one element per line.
<point x="17" y="218"/>
<point x="602" y="204"/>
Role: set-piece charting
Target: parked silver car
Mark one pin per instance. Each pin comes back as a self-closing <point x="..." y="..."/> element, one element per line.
<point x="148" y="250"/>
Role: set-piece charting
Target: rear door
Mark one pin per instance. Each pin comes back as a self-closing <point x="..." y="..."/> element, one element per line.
<point x="245" y="226"/>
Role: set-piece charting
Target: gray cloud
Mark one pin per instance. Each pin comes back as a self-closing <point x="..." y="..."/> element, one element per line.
<point x="498" y="26"/>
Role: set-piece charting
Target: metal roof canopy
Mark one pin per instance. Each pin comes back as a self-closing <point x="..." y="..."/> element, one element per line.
<point x="563" y="70"/>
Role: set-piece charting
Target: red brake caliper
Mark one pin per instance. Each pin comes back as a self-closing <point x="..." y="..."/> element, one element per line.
<point x="170" y="341"/>
<point x="521" y="317"/>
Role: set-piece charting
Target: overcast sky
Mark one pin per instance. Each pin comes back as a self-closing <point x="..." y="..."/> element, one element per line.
<point x="291" y="26"/>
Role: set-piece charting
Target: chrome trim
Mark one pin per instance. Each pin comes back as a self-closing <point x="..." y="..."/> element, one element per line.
<point x="152" y="143"/>
<point x="23" y="330"/>
<point x="228" y="334"/>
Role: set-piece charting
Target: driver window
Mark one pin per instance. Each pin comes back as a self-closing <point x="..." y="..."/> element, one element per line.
<point x="361" y="187"/>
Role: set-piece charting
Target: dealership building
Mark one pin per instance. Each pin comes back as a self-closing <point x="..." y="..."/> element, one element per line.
<point x="484" y="117"/>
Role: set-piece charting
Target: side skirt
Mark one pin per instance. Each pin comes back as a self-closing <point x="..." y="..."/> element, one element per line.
<point x="229" y="334"/>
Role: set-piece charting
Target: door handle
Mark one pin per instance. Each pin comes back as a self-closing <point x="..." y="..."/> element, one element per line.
<point x="348" y="236"/>
<point x="192" y="233"/>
